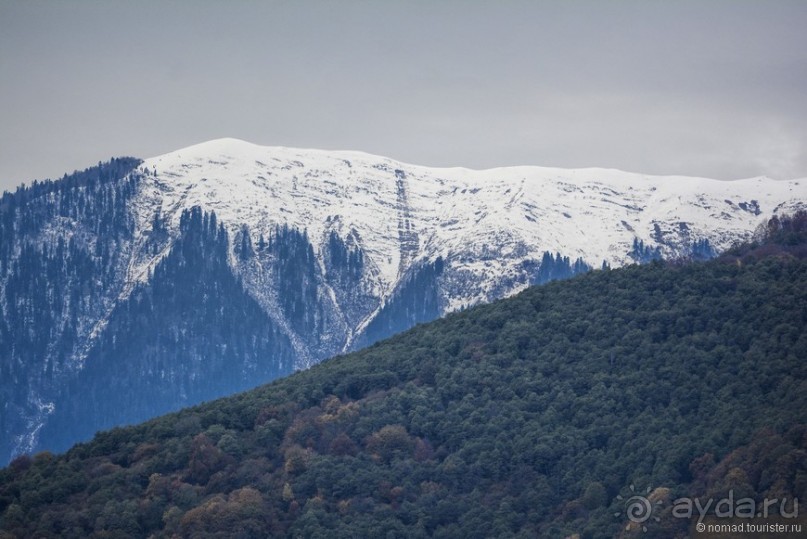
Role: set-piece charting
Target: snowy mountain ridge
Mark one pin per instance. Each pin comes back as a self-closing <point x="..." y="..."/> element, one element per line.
<point x="137" y="287"/>
<point x="483" y="223"/>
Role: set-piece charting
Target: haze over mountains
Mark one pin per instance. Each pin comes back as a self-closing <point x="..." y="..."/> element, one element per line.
<point x="138" y="287"/>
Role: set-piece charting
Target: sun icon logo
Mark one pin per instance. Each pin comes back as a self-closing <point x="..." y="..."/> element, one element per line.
<point x="638" y="508"/>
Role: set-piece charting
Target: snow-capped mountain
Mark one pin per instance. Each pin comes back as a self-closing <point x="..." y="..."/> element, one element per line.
<point x="220" y="266"/>
<point x="487" y="225"/>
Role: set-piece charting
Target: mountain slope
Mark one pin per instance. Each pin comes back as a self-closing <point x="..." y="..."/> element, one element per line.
<point x="335" y="249"/>
<point x="491" y="228"/>
<point x="153" y="371"/>
<point x="58" y="242"/>
<point x="523" y="418"/>
<point x="483" y="223"/>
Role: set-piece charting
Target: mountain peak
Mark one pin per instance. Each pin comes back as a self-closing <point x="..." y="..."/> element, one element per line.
<point x="240" y="147"/>
<point x="214" y="147"/>
<point x="593" y="213"/>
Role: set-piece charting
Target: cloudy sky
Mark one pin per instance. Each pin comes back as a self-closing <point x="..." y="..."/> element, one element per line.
<point x="716" y="89"/>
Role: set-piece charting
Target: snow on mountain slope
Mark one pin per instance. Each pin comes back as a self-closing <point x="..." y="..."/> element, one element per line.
<point x="337" y="249"/>
<point x="485" y="224"/>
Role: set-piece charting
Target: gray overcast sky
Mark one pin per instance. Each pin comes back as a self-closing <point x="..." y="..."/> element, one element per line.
<point x="710" y="88"/>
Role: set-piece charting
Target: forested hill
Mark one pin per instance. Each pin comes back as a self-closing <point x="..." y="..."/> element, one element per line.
<point x="522" y="418"/>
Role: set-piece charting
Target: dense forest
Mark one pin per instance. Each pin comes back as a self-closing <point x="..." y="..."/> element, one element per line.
<point x="558" y="267"/>
<point x="526" y="417"/>
<point x="190" y="334"/>
<point x="58" y="240"/>
<point x="416" y="300"/>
